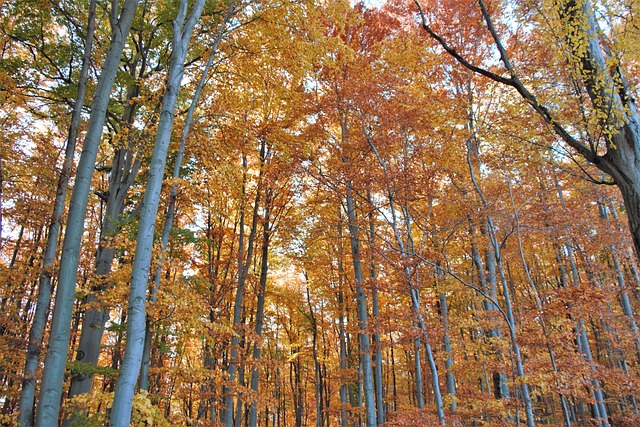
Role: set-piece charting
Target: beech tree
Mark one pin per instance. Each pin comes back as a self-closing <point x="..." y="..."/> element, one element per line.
<point x="611" y="123"/>
<point x="183" y="26"/>
<point x="356" y="229"/>
<point x="52" y="378"/>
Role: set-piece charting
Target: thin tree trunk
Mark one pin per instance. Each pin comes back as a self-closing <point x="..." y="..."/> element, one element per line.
<point x="407" y="252"/>
<point x="377" y="355"/>
<point x="170" y="211"/>
<point x="344" y="399"/>
<point x="506" y="294"/>
<point x="55" y="361"/>
<point x="123" y="398"/>
<point x="451" y="381"/>
<point x="243" y="269"/>
<point x="625" y="303"/>
<point x="583" y="342"/>
<point x="361" y="302"/>
<point x="316" y="362"/>
<point x="264" y="268"/>
<point x="36" y="333"/>
<point x="539" y="307"/>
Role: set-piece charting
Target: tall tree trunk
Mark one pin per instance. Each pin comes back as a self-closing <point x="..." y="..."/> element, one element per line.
<point x="583" y="342"/>
<point x="262" y="286"/>
<point x="539" y="307"/>
<point x="407" y="252"/>
<point x="508" y="312"/>
<point x="170" y="211"/>
<point x="361" y="302"/>
<point x="375" y="306"/>
<point x="36" y="333"/>
<point x="316" y="362"/>
<point x="243" y="270"/>
<point x="446" y="341"/>
<point x="418" y="371"/>
<point x="55" y="361"/>
<point x="124" y="170"/>
<point x="342" y="333"/>
<point x="125" y="388"/>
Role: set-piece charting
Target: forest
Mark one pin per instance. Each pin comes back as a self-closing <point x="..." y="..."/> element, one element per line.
<point x="265" y="213"/>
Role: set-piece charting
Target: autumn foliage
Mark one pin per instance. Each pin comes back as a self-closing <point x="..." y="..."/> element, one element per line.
<point x="361" y="230"/>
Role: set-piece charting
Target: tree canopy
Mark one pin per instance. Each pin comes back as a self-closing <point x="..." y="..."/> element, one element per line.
<point x="293" y="213"/>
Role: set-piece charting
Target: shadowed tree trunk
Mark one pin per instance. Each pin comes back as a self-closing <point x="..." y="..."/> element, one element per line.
<point x="243" y="269"/>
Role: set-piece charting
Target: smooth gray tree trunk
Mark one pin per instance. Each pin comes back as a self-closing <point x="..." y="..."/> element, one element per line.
<point x="583" y="342"/>
<point x="446" y="341"/>
<point x="342" y="333"/>
<point x="170" y="211"/>
<point x="55" y="361"/>
<point x="375" y="306"/>
<point x="539" y="307"/>
<point x="407" y="251"/>
<point x="361" y="302"/>
<point x="36" y="333"/>
<point x="508" y="312"/>
<point x="136" y="317"/>
<point x="123" y="172"/>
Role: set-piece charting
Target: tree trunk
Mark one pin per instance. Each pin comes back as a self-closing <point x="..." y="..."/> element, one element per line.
<point x="123" y="171"/>
<point x="361" y="302"/>
<point x="123" y="398"/>
<point x="344" y="419"/>
<point x="55" y="361"/>
<point x="170" y="212"/>
<point x="36" y="333"/>
<point x="377" y="355"/>
<point x="508" y="312"/>
<point x="451" y="382"/>
<point x="243" y="269"/>
<point x="262" y="286"/>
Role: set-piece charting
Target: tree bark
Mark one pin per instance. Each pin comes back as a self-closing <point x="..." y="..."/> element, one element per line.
<point x="243" y="269"/>
<point x="36" y="333"/>
<point x="55" y="361"/>
<point x="508" y="312"/>
<point x="407" y="252"/>
<point x="170" y="211"/>
<point x="123" y="172"/>
<point x="377" y="355"/>
<point x="262" y="286"/>
<point x="342" y="333"/>
<point x="361" y="302"/>
<point x="125" y="388"/>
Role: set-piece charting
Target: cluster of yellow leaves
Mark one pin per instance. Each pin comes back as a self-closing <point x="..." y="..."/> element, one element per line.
<point x="97" y="404"/>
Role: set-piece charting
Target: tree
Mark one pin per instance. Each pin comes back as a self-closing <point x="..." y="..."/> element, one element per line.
<point x="52" y="378"/>
<point x="612" y="123"/>
<point x="183" y="26"/>
<point x="36" y="333"/>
